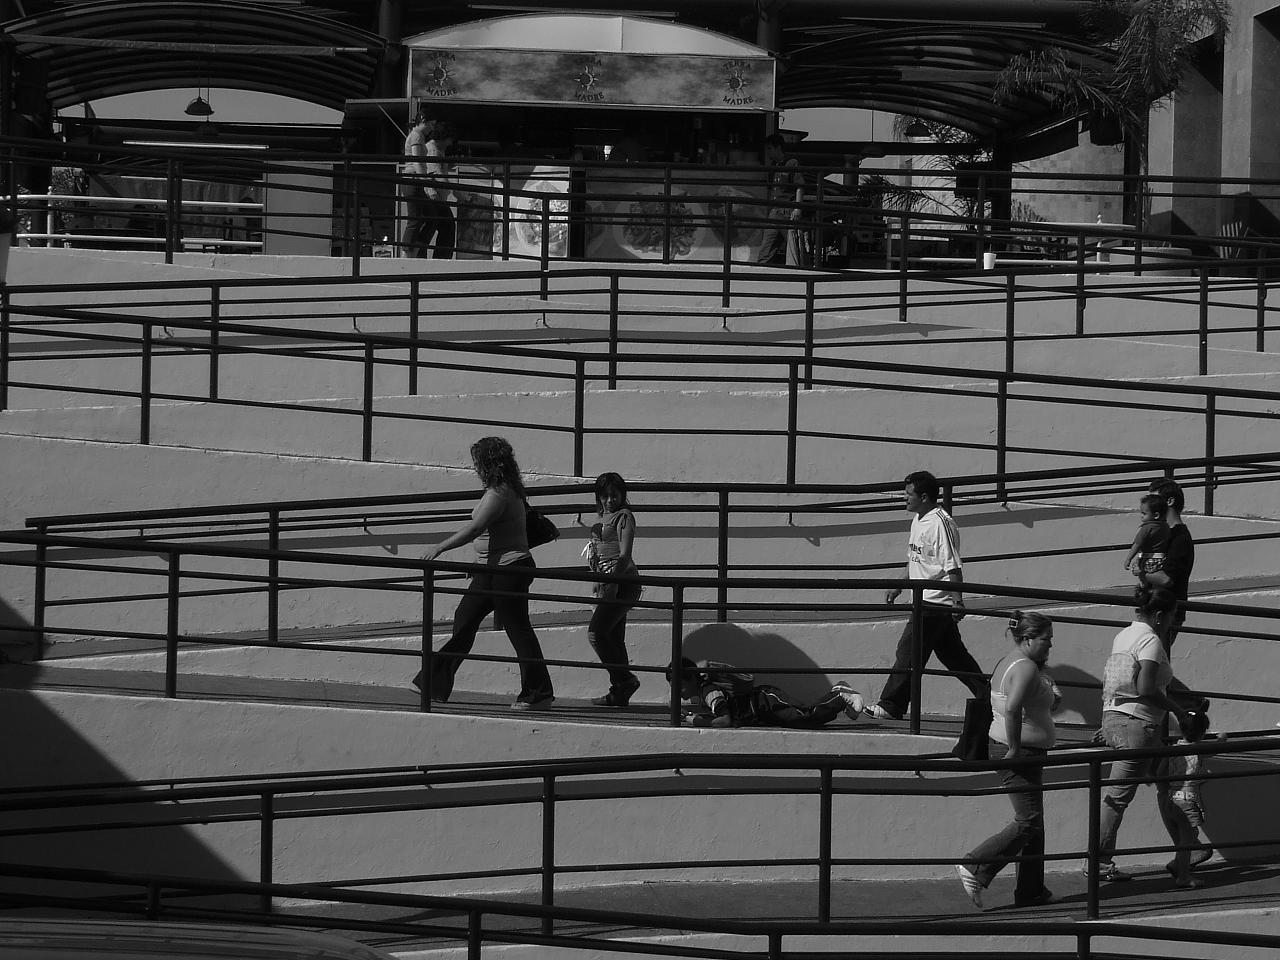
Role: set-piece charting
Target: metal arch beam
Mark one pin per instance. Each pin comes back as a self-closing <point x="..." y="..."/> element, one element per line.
<point x="77" y="73"/>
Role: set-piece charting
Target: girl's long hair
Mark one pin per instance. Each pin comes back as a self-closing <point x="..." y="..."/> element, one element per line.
<point x="495" y="464"/>
<point x="603" y="484"/>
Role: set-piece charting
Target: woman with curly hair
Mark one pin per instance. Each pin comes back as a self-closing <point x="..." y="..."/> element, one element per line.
<point x="498" y="528"/>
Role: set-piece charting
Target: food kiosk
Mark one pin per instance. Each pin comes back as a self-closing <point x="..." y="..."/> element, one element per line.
<point x="630" y="128"/>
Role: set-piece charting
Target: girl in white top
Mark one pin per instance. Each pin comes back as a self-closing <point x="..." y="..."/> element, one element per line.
<point x="609" y="551"/>
<point x="1023" y="698"/>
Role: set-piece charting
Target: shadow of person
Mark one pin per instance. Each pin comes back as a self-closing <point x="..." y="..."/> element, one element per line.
<point x="761" y="654"/>
<point x="1081" y="694"/>
<point x="1241" y="806"/>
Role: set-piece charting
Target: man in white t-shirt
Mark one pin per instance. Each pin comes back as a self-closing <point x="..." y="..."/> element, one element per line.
<point x="428" y="217"/>
<point x="933" y="553"/>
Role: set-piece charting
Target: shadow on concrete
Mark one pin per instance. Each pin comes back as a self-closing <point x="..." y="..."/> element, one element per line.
<point x="730" y="643"/>
<point x="18" y="638"/>
<point x="1080" y="693"/>
<point x="46" y="750"/>
<point x="1240" y="810"/>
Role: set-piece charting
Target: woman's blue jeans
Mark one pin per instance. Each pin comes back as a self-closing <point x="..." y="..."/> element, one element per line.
<point x="1023" y="836"/>
<point x="1124" y="732"/>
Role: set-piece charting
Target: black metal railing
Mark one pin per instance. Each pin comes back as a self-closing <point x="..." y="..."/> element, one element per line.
<point x="189" y="574"/>
<point x="371" y="358"/>
<point x="553" y="787"/>
<point x="520" y="209"/>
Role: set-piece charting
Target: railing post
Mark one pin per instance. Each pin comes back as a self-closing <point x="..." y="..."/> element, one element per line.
<point x="1080" y="301"/>
<point x="677" y="647"/>
<point x="1002" y="435"/>
<point x="775" y="946"/>
<point x="415" y="291"/>
<point x="1210" y="431"/>
<point x="903" y="238"/>
<point x="615" y="281"/>
<point x="917" y="651"/>
<point x="428" y="664"/>
<point x="172" y="207"/>
<point x="809" y="298"/>
<point x="171" y="627"/>
<point x="1095" y="837"/>
<point x="722" y="555"/>
<point x="356" y="244"/>
<point x="579" y="413"/>
<point x="144" y="391"/>
<point x="473" y="935"/>
<point x="39" y="598"/>
<point x="4" y="345"/>
<point x="1261" y="310"/>
<point x="980" y="242"/>
<point x="273" y="576"/>
<point x="366" y="407"/>
<point x="1204" y="322"/>
<point x="666" y="215"/>
<point x="1010" y="319"/>
<point x="793" y="408"/>
<point x="347" y="232"/>
<point x="824" y="847"/>
<point x="548" y="850"/>
<point x="726" y="276"/>
<point x="266" y="844"/>
<point x="544" y="281"/>
<point x="215" y="319"/>
<point x="506" y="210"/>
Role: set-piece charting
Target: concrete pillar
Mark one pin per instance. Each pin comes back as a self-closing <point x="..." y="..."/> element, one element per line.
<point x="1185" y="139"/>
<point x="391" y="79"/>
<point x="769" y="36"/>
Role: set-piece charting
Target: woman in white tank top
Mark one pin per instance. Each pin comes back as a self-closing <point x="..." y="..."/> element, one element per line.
<point x="1023" y="698"/>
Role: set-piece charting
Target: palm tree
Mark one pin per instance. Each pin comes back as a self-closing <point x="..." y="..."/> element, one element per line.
<point x="1149" y="44"/>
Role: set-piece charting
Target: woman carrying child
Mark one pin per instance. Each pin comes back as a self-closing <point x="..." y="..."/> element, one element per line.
<point x="609" y="551"/>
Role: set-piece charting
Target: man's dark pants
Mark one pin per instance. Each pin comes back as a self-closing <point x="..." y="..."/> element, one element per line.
<point x="941" y="636"/>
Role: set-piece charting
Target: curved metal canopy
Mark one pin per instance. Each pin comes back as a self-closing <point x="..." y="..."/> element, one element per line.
<point x="936" y="59"/>
<point x="109" y="47"/>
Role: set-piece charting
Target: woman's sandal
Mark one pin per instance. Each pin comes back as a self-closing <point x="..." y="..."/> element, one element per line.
<point x="1185" y="883"/>
<point x="617" y="696"/>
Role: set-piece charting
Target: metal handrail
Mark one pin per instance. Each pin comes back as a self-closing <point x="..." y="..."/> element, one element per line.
<point x="424" y="580"/>
<point x="800" y="373"/>
<point x="541" y="783"/>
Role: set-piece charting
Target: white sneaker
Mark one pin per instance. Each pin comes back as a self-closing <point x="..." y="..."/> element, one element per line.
<point x="854" y="704"/>
<point x="971" y="885"/>
<point x="880" y="713"/>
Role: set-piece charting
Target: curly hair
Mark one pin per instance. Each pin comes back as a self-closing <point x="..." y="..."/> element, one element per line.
<point x="495" y="464"/>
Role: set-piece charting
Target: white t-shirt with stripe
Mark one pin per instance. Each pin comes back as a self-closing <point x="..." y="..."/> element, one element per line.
<point x="932" y="550"/>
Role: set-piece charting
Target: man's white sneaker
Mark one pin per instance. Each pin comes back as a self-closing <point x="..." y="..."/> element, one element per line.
<point x="880" y="713"/>
<point x="972" y="888"/>
<point x="854" y="704"/>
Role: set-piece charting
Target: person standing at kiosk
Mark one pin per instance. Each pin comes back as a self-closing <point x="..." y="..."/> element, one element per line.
<point x="430" y="218"/>
<point x="781" y="236"/>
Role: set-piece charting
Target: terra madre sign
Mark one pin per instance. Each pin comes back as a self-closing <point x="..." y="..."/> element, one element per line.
<point x="686" y="81"/>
